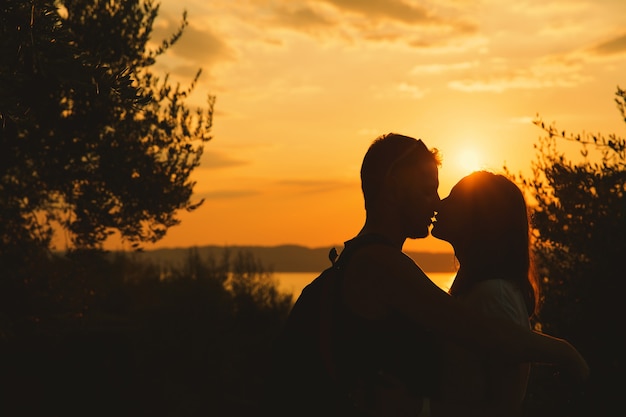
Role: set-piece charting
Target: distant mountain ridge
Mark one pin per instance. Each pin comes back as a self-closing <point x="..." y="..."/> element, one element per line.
<point x="288" y="258"/>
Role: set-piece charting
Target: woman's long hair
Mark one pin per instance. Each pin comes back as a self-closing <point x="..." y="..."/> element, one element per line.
<point x="496" y="240"/>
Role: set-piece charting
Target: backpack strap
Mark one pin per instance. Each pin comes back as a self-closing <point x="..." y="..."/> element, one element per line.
<point x="332" y="255"/>
<point x="331" y="291"/>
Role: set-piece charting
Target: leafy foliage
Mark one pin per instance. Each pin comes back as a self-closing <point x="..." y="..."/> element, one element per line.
<point x="90" y="138"/>
<point x="580" y="238"/>
<point x="133" y="338"/>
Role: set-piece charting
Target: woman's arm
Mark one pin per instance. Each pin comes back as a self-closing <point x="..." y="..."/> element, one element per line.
<point x="505" y="383"/>
<point x="404" y="287"/>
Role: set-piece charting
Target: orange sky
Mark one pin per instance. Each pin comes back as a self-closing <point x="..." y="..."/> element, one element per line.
<point x="304" y="87"/>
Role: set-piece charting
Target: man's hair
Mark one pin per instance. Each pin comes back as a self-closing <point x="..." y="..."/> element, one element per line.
<point x="387" y="153"/>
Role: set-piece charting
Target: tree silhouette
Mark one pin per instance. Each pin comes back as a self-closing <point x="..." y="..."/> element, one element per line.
<point x="579" y="240"/>
<point x="90" y="139"/>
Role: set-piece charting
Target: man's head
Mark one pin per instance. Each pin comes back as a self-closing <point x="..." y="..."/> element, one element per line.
<point x="399" y="178"/>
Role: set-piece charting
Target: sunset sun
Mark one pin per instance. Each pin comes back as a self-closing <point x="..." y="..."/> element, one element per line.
<point x="468" y="161"/>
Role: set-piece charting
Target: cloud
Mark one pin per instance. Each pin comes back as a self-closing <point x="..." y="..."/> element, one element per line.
<point x="450" y="44"/>
<point x="212" y="160"/>
<point x="560" y="72"/>
<point x="185" y="72"/>
<point x="522" y="120"/>
<point x="400" y="22"/>
<point x="302" y="18"/>
<point x="550" y="9"/>
<point x="400" y="90"/>
<point x="521" y="82"/>
<point x="375" y="21"/>
<point x="195" y="44"/>
<point x="412" y="90"/>
<point x="204" y="45"/>
<point x="441" y="68"/>
<point x="368" y="132"/>
<point x="277" y="189"/>
<point x="614" y="46"/>
<point x="390" y="9"/>
<point x="226" y="194"/>
<point x="305" y="186"/>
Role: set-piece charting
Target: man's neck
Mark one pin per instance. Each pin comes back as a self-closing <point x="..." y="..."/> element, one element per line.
<point x="388" y="231"/>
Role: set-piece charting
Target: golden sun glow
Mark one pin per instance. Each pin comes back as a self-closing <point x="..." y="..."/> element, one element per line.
<point x="468" y="161"/>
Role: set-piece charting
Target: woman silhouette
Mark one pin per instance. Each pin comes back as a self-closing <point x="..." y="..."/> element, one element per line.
<point x="485" y="219"/>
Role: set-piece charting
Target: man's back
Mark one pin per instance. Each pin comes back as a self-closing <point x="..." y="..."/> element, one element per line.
<point x="308" y="377"/>
<point x="331" y="356"/>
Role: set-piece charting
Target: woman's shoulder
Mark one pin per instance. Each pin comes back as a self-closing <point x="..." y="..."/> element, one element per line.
<point x="498" y="297"/>
<point x="497" y="286"/>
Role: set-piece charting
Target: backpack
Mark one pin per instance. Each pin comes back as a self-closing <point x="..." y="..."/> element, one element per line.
<point x="306" y="380"/>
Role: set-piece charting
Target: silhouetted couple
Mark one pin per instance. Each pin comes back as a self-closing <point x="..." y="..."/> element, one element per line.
<point x="373" y="336"/>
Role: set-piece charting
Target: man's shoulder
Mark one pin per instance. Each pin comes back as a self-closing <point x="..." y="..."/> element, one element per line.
<point x="376" y="252"/>
<point x="380" y="258"/>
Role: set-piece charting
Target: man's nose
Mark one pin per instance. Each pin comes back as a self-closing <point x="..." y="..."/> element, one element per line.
<point x="436" y="202"/>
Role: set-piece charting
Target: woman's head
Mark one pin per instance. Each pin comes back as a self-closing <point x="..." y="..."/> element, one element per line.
<point x="485" y="219"/>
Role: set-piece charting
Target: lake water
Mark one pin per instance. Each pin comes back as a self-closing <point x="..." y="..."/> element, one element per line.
<point x="294" y="282"/>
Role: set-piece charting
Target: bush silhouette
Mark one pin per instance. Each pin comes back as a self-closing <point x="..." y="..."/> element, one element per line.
<point x="105" y="334"/>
